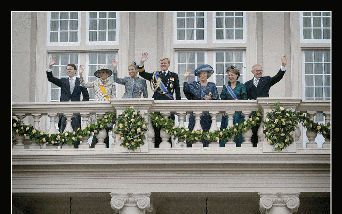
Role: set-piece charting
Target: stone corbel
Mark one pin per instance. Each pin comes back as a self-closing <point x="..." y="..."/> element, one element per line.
<point x="289" y="201"/>
<point x="139" y="200"/>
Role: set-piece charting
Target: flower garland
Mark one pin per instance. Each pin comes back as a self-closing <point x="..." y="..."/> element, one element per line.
<point x="131" y="127"/>
<point x="184" y="134"/>
<point x="280" y="124"/>
<point x="66" y="137"/>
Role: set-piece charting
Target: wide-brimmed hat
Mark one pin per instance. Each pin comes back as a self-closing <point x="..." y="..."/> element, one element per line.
<point x="103" y="68"/>
<point x="204" y="67"/>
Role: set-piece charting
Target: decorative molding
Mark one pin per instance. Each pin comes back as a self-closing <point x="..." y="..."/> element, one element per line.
<point x="269" y="200"/>
<point x="139" y="200"/>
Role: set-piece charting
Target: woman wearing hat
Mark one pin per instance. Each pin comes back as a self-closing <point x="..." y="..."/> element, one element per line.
<point x="104" y="90"/>
<point x="201" y="90"/>
<point x="234" y="90"/>
<point x="134" y="86"/>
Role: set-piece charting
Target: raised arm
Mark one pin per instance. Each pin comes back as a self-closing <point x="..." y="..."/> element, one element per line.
<point x="141" y="68"/>
<point x="82" y="81"/>
<point x="49" y="74"/>
<point x="281" y="71"/>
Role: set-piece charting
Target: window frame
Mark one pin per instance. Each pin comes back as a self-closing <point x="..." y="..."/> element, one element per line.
<point x="302" y="40"/>
<point x="116" y="42"/>
<point x="216" y="41"/>
<point x="176" y="41"/>
<point x="49" y="43"/>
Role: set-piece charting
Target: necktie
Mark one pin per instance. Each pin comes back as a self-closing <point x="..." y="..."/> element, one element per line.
<point x="72" y="85"/>
<point x="256" y="81"/>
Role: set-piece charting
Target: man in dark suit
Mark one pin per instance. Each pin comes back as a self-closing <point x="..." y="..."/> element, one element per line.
<point x="260" y="86"/>
<point x="166" y="89"/>
<point x="70" y="91"/>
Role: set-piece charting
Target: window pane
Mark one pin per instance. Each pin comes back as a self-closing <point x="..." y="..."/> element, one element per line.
<point x="326" y="56"/>
<point x="306" y="13"/>
<point x="190" y="14"/>
<point x="319" y="92"/>
<point x="92" y="15"/>
<point x="219" y="22"/>
<point x="73" y="25"/>
<point x="180" y="14"/>
<point x="189" y="34"/>
<point x="220" y="69"/>
<point x="326" y="68"/>
<point x="318" y="80"/>
<point x="54" y="94"/>
<point x="229" y="22"/>
<point x="238" y="34"/>
<point x="200" y="57"/>
<point x="317" y="22"/>
<point x="239" y="22"/>
<point x="326" y="21"/>
<point x="309" y="80"/>
<point x="190" y="23"/>
<point x="307" y="33"/>
<point x="219" y="80"/>
<point x="92" y="36"/>
<point x="199" y="34"/>
<point x="54" y="15"/>
<point x="219" y="34"/>
<point x="318" y="56"/>
<point x="180" y="34"/>
<point x="308" y="56"/>
<point x="64" y="15"/>
<point x="112" y="14"/>
<point x="309" y="92"/>
<point x="317" y="33"/>
<point x="229" y="56"/>
<point x="327" y="80"/>
<point x="73" y="15"/>
<point x="102" y="36"/>
<point x="229" y="34"/>
<point x="238" y="56"/>
<point x="306" y="22"/>
<point x="64" y="37"/>
<point x="111" y="24"/>
<point x="327" y="93"/>
<point x="54" y="25"/>
<point x="92" y="58"/>
<point x="64" y="25"/>
<point x="111" y="35"/>
<point x="318" y="68"/>
<point x="326" y="34"/>
<point x="102" y="58"/>
<point x="308" y="68"/>
<point x="102" y="24"/>
<point x="73" y="37"/>
<point x="219" y="57"/>
<point x="102" y="14"/>
<point x="180" y="23"/>
<point x="93" y="24"/>
<point x="200" y="22"/>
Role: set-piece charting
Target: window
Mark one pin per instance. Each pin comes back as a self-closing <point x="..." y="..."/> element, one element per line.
<point x="316" y="26"/>
<point x="190" y="26"/>
<point x="95" y="60"/>
<point x="188" y="60"/>
<point x="229" y="26"/>
<point x="63" y="27"/>
<point x="317" y="74"/>
<point x="102" y="27"/>
<point x="59" y="71"/>
<point x="223" y="59"/>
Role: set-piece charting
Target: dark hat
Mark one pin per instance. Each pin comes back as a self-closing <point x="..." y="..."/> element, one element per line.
<point x="204" y="67"/>
<point x="102" y="68"/>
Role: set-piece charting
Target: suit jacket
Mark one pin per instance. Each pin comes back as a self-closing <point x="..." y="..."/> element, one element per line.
<point x="64" y="84"/>
<point x="264" y="86"/>
<point x="171" y="82"/>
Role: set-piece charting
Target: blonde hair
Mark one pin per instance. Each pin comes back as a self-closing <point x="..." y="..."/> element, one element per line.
<point x="165" y="58"/>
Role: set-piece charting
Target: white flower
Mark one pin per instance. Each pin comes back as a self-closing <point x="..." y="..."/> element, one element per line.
<point x="33" y="131"/>
<point x="27" y="128"/>
<point x="282" y="108"/>
<point x="66" y="134"/>
<point x="44" y="140"/>
<point x="14" y="124"/>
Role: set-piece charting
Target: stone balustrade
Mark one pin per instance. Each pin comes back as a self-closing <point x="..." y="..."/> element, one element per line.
<point x="44" y="117"/>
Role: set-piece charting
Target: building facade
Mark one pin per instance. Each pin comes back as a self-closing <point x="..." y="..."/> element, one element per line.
<point x="194" y="182"/>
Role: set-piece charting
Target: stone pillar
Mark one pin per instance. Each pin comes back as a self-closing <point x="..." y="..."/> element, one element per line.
<point x="131" y="203"/>
<point x="279" y="203"/>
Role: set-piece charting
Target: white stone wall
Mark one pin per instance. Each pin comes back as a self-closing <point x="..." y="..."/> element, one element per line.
<point x="269" y="36"/>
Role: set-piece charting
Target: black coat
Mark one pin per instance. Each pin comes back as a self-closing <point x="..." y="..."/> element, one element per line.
<point x="64" y="84"/>
<point x="264" y="86"/>
<point x="171" y="81"/>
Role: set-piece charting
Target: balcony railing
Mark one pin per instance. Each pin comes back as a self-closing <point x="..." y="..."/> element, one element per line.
<point x="43" y="117"/>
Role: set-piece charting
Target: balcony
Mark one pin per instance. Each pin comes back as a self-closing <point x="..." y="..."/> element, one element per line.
<point x="172" y="170"/>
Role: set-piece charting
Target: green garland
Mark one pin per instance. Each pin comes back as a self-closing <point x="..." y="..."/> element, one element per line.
<point x="66" y="137"/>
<point x="131" y="127"/>
<point x="280" y="122"/>
<point x="184" y="134"/>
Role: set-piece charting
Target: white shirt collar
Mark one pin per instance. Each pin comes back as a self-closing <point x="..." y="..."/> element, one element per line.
<point x="72" y="78"/>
